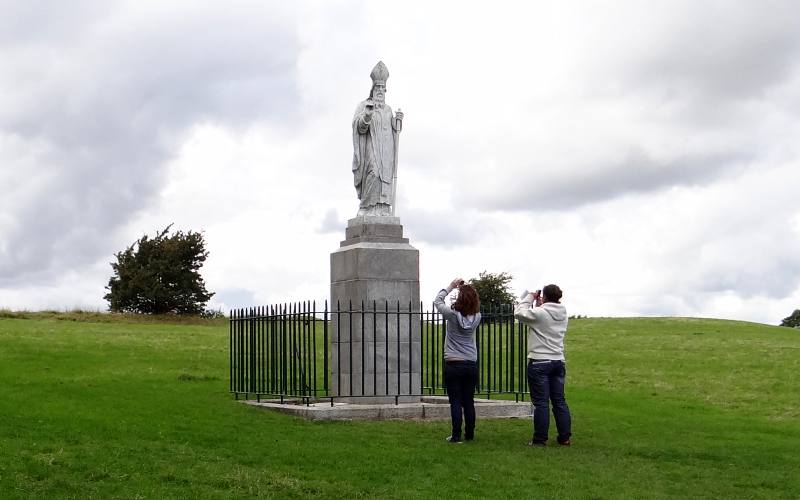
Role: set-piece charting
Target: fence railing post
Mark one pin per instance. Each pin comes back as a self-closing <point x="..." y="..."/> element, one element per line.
<point x="275" y="350"/>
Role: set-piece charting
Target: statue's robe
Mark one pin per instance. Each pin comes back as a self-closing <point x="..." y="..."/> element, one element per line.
<point x="373" y="156"/>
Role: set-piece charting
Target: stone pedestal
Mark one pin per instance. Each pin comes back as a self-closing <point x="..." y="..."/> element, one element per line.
<point x="375" y="341"/>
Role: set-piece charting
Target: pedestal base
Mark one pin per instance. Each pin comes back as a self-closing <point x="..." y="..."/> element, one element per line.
<point x="375" y="343"/>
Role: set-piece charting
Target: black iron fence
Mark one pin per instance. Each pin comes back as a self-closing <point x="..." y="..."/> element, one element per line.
<point x="376" y="349"/>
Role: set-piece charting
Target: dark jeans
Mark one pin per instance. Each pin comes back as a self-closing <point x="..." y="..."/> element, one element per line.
<point x="546" y="382"/>
<point x="460" y="378"/>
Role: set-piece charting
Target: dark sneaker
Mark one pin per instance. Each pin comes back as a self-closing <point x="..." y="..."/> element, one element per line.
<point x="537" y="444"/>
<point x="451" y="439"/>
<point x="565" y="443"/>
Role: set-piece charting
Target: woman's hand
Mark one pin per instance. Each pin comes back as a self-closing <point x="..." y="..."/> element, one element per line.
<point x="456" y="283"/>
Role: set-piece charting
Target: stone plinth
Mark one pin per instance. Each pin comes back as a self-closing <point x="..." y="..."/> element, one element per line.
<point x="375" y="341"/>
<point x="429" y="408"/>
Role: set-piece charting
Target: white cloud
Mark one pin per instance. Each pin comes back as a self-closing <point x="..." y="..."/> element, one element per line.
<point x="95" y="105"/>
<point x="642" y="157"/>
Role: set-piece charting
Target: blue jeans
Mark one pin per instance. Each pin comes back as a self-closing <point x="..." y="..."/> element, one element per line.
<point x="546" y="382"/>
<point x="460" y="378"/>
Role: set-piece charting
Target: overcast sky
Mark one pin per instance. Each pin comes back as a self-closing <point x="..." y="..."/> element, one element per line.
<point x="642" y="155"/>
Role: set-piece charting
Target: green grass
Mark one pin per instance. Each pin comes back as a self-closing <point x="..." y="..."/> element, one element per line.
<point x="662" y="408"/>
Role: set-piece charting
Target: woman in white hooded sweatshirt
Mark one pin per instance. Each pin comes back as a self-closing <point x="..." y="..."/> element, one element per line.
<point x="546" y="319"/>
<point x="460" y="355"/>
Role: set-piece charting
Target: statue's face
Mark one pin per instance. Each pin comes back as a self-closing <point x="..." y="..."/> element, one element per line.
<point x="379" y="92"/>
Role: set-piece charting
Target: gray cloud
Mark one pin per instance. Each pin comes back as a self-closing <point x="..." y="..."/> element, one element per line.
<point x="721" y="53"/>
<point x="236" y="297"/>
<point x="692" y="102"/>
<point x="739" y="253"/>
<point x="331" y="223"/>
<point x="97" y="98"/>
<point x="42" y="21"/>
<point x="446" y="229"/>
<point x="570" y="187"/>
<point x="613" y="117"/>
<point x="421" y="225"/>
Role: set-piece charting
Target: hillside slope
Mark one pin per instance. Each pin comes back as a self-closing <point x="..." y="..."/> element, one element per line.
<point x="663" y="408"/>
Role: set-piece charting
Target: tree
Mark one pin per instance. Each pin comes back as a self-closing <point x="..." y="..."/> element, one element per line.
<point x="793" y="320"/>
<point x="160" y="275"/>
<point x="493" y="289"/>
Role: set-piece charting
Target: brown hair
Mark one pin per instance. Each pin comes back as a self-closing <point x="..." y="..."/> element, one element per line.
<point x="552" y="293"/>
<point x="467" y="302"/>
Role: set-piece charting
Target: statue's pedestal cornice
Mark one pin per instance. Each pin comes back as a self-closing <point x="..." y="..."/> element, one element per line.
<point x="378" y="229"/>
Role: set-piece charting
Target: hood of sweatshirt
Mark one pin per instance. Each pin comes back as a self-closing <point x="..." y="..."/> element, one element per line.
<point x="556" y="311"/>
<point x="468" y="323"/>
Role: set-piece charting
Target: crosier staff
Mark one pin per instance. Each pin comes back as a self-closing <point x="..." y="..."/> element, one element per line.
<point x="398" y="127"/>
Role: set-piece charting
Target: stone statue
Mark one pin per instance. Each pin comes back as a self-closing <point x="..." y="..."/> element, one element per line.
<point x="376" y="134"/>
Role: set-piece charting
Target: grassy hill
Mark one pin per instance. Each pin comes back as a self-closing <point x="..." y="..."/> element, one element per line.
<point x="100" y="406"/>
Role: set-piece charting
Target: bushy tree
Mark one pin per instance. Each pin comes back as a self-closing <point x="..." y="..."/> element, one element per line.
<point x="793" y="320"/>
<point x="493" y="289"/>
<point x="160" y="275"/>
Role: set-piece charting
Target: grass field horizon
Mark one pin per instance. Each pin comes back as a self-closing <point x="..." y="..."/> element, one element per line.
<point x="97" y="406"/>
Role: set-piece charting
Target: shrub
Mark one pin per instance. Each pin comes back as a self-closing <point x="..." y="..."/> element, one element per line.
<point x="160" y="275"/>
<point x="793" y="320"/>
